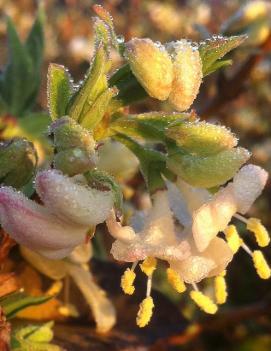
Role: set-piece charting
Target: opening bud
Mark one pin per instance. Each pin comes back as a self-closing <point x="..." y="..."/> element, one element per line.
<point x="152" y="66"/>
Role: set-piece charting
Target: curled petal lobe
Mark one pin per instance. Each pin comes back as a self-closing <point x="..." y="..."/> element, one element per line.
<point x="248" y="184"/>
<point x="204" y="264"/>
<point x="213" y="217"/>
<point x="71" y="201"/>
<point x="35" y="227"/>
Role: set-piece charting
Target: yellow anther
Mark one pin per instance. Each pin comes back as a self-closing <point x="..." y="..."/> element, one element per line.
<point x="127" y="281"/>
<point x="55" y="288"/>
<point x="221" y="288"/>
<point x="260" y="232"/>
<point x="261" y="265"/>
<point x="68" y="310"/>
<point x="175" y="280"/>
<point x="148" y="266"/>
<point x="233" y="238"/>
<point x="204" y="302"/>
<point x="145" y="312"/>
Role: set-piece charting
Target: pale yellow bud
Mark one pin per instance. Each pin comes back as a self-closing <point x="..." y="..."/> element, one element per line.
<point x="127" y="281"/>
<point x="145" y="312"/>
<point x="148" y="266"/>
<point x="152" y="66"/>
<point x="261" y="265"/>
<point x="260" y="232"/>
<point x="175" y="280"/>
<point x="233" y="239"/>
<point x="187" y="73"/>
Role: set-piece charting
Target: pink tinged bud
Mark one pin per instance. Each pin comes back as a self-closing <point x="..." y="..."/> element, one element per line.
<point x="72" y="201"/>
<point x="35" y="227"/>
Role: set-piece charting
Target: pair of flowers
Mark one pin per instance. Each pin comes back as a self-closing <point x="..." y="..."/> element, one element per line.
<point x="191" y="247"/>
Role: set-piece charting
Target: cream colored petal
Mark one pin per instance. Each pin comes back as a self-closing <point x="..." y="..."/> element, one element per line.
<point x="54" y="269"/>
<point x="81" y="253"/>
<point x="213" y="217"/>
<point x="72" y="201"/>
<point x="101" y="307"/>
<point x="208" y="263"/>
<point x="122" y="233"/>
<point x="220" y="252"/>
<point x="159" y="228"/>
<point x="194" y="268"/>
<point x="248" y="184"/>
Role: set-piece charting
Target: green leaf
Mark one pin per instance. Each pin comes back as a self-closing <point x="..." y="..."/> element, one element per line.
<point x="215" y="48"/>
<point x="14" y="88"/>
<point x="217" y="65"/>
<point x="130" y="91"/>
<point x="210" y="171"/>
<point x="16" y="302"/>
<point x="105" y="17"/>
<point x="99" y="108"/>
<point x="147" y="126"/>
<point x="94" y="84"/>
<point x="34" y="337"/>
<point x="59" y="90"/>
<point x="35" y="46"/>
<point x="152" y="163"/>
<point x="35" y="124"/>
<point x="201" y="138"/>
<point x="101" y="179"/>
<point x="20" y="80"/>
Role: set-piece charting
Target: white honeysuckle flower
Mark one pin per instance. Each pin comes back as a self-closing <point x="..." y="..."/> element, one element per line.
<point x="158" y="238"/>
<point x="191" y="246"/>
<point x="71" y="209"/>
<point x="74" y="266"/>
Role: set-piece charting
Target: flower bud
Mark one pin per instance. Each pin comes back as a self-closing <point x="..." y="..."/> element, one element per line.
<point x="74" y="161"/>
<point x="71" y="200"/>
<point x="69" y="134"/>
<point x="187" y="74"/>
<point x="202" y="138"/>
<point x="18" y="160"/>
<point x="207" y="172"/>
<point x="151" y="65"/>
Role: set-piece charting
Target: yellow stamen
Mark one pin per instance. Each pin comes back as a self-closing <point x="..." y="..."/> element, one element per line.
<point x="261" y="265"/>
<point x="221" y="288"/>
<point x="55" y="288"/>
<point x="127" y="281"/>
<point x="260" y="232"/>
<point x="203" y="301"/>
<point x="233" y="238"/>
<point x="175" y="280"/>
<point x="68" y="310"/>
<point x="148" y="266"/>
<point x="145" y="312"/>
